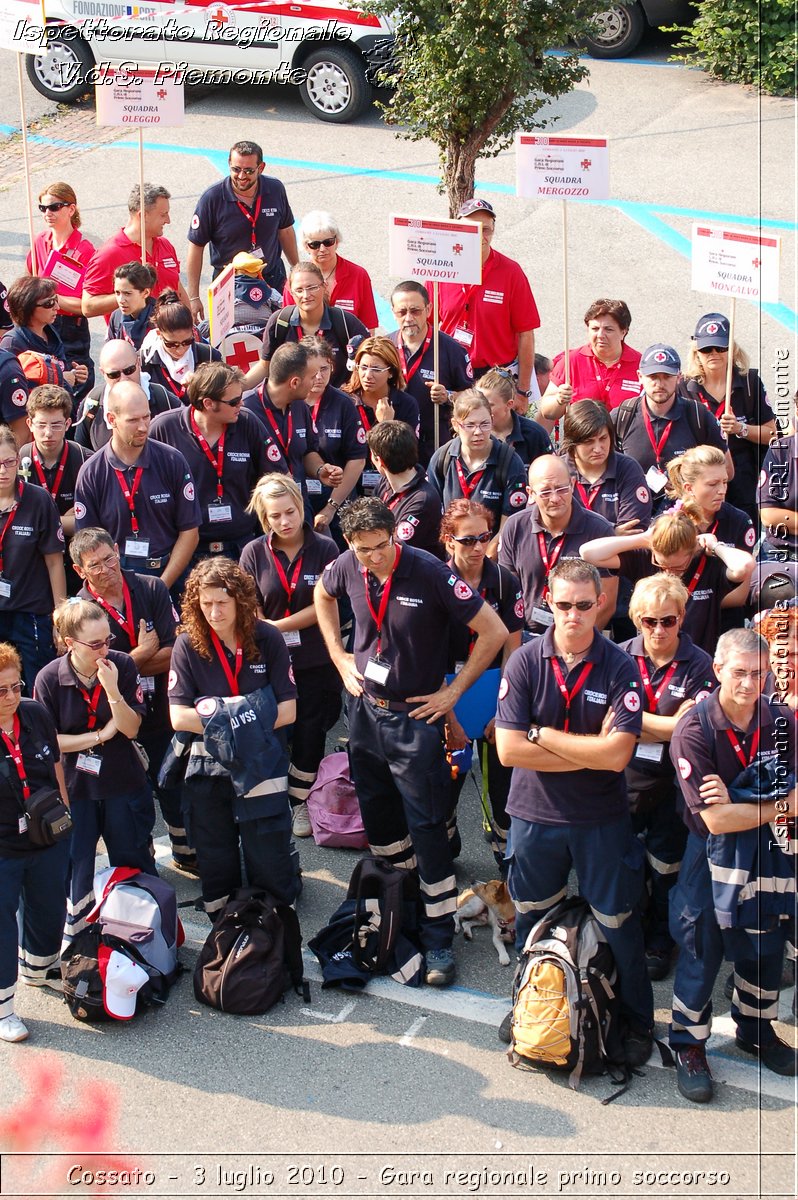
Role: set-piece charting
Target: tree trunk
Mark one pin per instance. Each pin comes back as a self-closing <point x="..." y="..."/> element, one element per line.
<point x="460" y="157"/>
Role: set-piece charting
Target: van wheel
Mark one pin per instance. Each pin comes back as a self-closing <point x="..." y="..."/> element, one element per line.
<point x="335" y="87"/>
<point x="62" y="74"/>
<point x="616" y="31"/>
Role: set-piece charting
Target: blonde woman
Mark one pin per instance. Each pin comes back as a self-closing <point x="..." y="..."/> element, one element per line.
<point x="700" y="475"/>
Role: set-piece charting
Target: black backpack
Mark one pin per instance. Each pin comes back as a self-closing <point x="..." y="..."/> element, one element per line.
<point x="82" y="979"/>
<point x="337" y="318"/>
<point x="566" y="1008"/>
<point x="697" y="414"/>
<point x="251" y="957"/>
<point x="441" y="464"/>
<point x="385" y="902"/>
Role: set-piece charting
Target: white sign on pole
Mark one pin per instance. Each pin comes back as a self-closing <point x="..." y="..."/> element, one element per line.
<point x="562" y="167"/>
<point x="442" y="251"/>
<point x="221" y="304"/>
<point x="19" y="31"/>
<point x="735" y="262"/>
<point x="137" y="100"/>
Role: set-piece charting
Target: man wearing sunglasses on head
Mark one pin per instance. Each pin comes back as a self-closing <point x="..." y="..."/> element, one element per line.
<point x="226" y="453"/>
<point x="140" y="491"/>
<point x="534" y="540"/>
<point x="118" y="360"/>
<point x="248" y="211"/>
<point x="569" y="715"/>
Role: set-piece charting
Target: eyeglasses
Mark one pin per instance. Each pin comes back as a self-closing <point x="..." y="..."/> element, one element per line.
<point x="368" y="551"/>
<point x="317" y="242"/>
<point x="51" y="303"/>
<point x="739" y="676"/>
<point x="244" y="171"/>
<point x="105" y="643"/>
<point x="307" y="291"/>
<point x="579" y="605"/>
<point x="473" y="539"/>
<point x="103" y="564"/>
<point x="15" y="689"/>
<point x="112" y="375"/>
<point x="409" y="312"/>
<point x="7" y="464"/>
<point x="56" y="206"/>
<point x="232" y="403"/>
<point x="364" y="370"/>
<point x="474" y="426"/>
<point x="713" y="350"/>
<point x="177" y="345"/>
<point x="46" y="427"/>
<point x="547" y="493"/>
<point x="653" y="622"/>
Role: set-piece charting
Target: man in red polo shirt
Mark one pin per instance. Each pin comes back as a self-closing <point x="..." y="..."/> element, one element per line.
<point x="125" y="246"/>
<point x="494" y="320"/>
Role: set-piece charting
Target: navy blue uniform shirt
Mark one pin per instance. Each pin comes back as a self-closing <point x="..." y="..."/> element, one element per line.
<point x="454" y="372"/>
<point x="707" y="583"/>
<point x="529" y="694"/>
<point x="13" y="388"/>
<point x="192" y="676"/>
<point x="32" y="531"/>
<point x="637" y="444"/>
<point x="418" y="511"/>
<point x="64" y="496"/>
<point x="219" y="221"/>
<point x="424" y="599"/>
<point x="502" y="591"/>
<point x="621" y="494"/>
<point x="275" y="335"/>
<point x="38" y="742"/>
<point x="482" y="485"/>
<point x="528" y="439"/>
<point x="288" y="434"/>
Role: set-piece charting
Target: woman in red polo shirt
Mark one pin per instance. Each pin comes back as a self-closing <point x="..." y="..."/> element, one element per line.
<point x="604" y="369"/>
<point x="348" y="286"/>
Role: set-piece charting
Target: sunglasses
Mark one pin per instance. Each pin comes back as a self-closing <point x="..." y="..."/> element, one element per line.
<point x="113" y="375"/>
<point x="713" y="350"/>
<point x="579" y="605"/>
<point x="14" y="690"/>
<point x="503" y="373"/>
<point x="177" y="345"/>
<point x="318" y="242"/>
<point x="56" y="206"/>
<point x="653" y="622"/>
<point x="51" y="303"/>
<point x="250" y="171"/>
<point x="232" y="403"/>
<point x="472" y="539"/>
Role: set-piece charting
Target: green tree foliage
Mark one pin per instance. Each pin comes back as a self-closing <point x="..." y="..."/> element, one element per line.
<point x="469" y="73"/>
<point x="745" y="41"/>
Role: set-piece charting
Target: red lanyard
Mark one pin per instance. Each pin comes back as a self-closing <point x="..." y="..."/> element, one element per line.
<point x="397" y="498"/>
<point x="16" y="754"/>
<point x="231" y="676"/>
<point x="216" y="462"/>
<point x="738" y="750"/>
<point x="124" y="618"/>
<point x="367" y="424"/>
<point x="588" y="497"/>
<point x="284" y="443"/>
<point x="251" y="215"/>
<point x="567" y="696"/>
<point x="691" y="586"/>
<point x="469" y="292"/>
<point x="59" y="475"/>
<point x="91" y="702"/>
<point x="653" y="697"/>
<point x="467" y="488"/>
<point x="288" y="587"/>
<point x="178" y="388"/>
<point x="409" y="372"/>
<point x="550" y="563"/>
<point x="656" y="446"/>
<point x="379" y="616"/>
<point x="9" y="519"/>
<point x="130" y="495"/>
<point x="315" y="413"/>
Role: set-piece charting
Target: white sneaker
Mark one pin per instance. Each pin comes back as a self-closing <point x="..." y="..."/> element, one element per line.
<point x="300" y="821"/>
<point x="12" y="1029"/>
<point x="51" y="980"/>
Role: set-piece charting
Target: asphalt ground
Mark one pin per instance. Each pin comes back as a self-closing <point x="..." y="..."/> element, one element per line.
<point x="415" y="1080"/>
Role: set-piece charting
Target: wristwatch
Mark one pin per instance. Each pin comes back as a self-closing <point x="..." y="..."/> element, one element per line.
<point x="534" y="735"/>
<point x="743" y="434"/>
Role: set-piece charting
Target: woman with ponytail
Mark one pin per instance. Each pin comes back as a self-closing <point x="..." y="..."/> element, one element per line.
<point x="699" y="476"/>
<point x="170" y="353"/>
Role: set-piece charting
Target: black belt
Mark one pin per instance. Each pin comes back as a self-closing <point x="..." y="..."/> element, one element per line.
<point x="390" y="705"/>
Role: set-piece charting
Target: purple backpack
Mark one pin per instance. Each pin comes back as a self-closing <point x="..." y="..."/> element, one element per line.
<point x="333" y="806"/>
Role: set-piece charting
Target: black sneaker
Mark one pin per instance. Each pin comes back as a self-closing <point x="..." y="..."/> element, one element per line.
<point x="693" y="1077"/>
<point x="777" y="1056"/>
<point x="506" y="1029"/>
<point x="440" y="967"/>
<point x="637" y="1047"/>
<point x="658" y="963"/>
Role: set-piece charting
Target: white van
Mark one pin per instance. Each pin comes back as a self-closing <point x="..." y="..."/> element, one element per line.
<point x="333" y="53"/>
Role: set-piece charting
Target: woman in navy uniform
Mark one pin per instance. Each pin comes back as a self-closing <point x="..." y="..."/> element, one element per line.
<point x="32" y="878"/>
<point x="466" y="532"/>
<point x="605" y="481"/>
<point x="700" y="475"/>
<point x="133" y="284"/>
<point x="95" y="699"/>
<point x="32" y="303"/>
<point x="675" y="674"/>
<point x="223" y="649"/>
<point x="286" y="564"/>
<point x="170" y="353"/>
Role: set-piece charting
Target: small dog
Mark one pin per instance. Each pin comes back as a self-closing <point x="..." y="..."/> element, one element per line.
<point x="488" y="904"/>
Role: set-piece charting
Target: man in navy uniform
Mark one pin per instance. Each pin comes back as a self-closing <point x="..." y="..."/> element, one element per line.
<point x="140" y="491"/>
<point x="404" y="601"/>
<point x="534" y="540"/>
<point x="569" y="715"/>
<point x="412" y="499"/>
<point x="745" y="729"/>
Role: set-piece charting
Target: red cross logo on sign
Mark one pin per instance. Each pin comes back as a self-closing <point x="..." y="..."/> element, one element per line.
<point x="586" y="164"/>
<point x="457" y="248"/>
<point x="755" y="262"/>
<point x="220" y="17"/>
<point x="162" y="93"/>
<point x="238" y="354"/>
